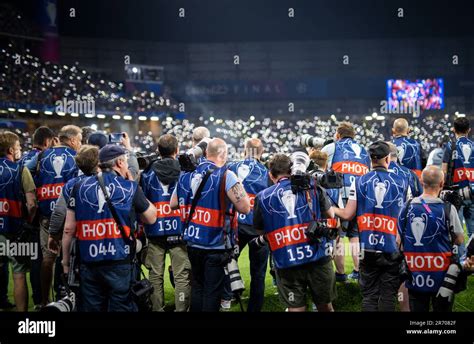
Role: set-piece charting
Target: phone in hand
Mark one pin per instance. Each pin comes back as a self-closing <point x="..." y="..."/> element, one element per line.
<point x="116" y="137"/>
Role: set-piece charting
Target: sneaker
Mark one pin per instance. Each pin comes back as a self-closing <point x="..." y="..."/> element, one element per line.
<point x="225" y="305"/>
<point x="6" y="305"/>
<point x="341" y="277"/>
<point x="354" y="275"/>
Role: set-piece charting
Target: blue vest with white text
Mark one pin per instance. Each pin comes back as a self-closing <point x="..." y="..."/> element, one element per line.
<point x="10" y="201"/>
<point x="409" y="153"/>
<point x="206" y="228"/>
<point x="99" y="237"/>
<point x="380" y="196"/>
<point x="463" y="174"/>
<point x="350" y="159"/>
<point x="285" y="218"/>
<point x="57" y="167"/>
<point x="168" y="221"/>
<point x="426" y="245"/>
<point x="254" y="177"/>
<point x="412" y="180"/>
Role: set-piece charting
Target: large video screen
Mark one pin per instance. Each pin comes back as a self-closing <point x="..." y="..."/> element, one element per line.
<point x="422" y="94"/>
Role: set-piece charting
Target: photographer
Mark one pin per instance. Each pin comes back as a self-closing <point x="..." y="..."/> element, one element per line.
<point x="158" y="184"/>
<point x="376" y="200"/>
<point x="43" y="138"/>
<point x="426" y="224"/>
<point x="55" y="167"/>
<point x="410" y="152"/>
<point x="87" y="160"/>
<point x="458" y="166"/>
<point x="284" y="218"/>
<point x="105" y="233"/>
<point x="254" y="177"/>
<point x="204" y="197"/>
<point x="346" y="156"/>
<point x="19" y="206"/>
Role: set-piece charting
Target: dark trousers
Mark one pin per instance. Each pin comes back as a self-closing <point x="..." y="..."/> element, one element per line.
<point x="106" y="288"/>
<point x="379" y="282"/>
<point x="4" y="274"/>
<point x="421" y="301"/>
<point x="208" y="276"/>
<point x="35" y="272"/>
<point x="258" y="257"/>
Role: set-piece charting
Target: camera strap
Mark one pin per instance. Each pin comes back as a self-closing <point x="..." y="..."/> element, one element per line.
<point x="128" y="239"/>
<point x="450" y="171"/>
<point x="197" y="196"/>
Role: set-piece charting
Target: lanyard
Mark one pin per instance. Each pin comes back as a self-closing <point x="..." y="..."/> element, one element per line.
<point x="428" y="209"/>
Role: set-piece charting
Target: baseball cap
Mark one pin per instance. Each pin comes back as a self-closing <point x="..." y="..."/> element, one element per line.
<point x="379" y="150"/>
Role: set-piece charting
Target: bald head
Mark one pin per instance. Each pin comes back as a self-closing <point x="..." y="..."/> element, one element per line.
<point x="400" y="126"/>
<point x="200" y="133"/>
<point x="217" y="149"/>
<point x="253" y="148"/>
<point x="432" y="177"/>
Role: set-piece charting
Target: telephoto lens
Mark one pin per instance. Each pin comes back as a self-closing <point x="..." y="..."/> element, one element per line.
<point x="307" y="140"/>
<point x="66" y="304"/>
<point x="232" y="270"/>
<point x="446" y="292"/>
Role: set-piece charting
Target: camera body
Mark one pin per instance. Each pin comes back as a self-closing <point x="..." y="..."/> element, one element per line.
<point x="189" y="160"/>
<point x="329" y="180"/>
<point x="146" y="160"/>
<point x="321" y="228"/>
<point x="452" y="196"/>
<point x="141" y="294"/>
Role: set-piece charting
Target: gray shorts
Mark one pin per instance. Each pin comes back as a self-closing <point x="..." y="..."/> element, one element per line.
<point x="293" y="283"/>
<point x="44" y="236"/>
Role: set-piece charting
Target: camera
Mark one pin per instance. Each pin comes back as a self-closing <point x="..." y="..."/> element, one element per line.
<point x="116" y="137"/>
<point x="452" y="196"/>
<point x="448" y="287"/>
<point x="141" y="294"/>
<point x="330" y="179"/>
<point x="466" y="193"/>
<point x="236" y="282"/>
<point x="66" y="304"/>
<point x="299" y="178"/>
<point x="307" y="140"/>
<point x="322" y="228"/>
<point x="189" y="160"/>
<point x="146" y="160"/>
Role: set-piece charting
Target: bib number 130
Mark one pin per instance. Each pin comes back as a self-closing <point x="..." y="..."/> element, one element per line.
<point x="300" y="253"/>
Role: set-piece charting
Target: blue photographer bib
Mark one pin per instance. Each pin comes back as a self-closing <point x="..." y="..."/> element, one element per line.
<point x="57" y="167"/>
<point x="285" y="218"/>
<point x="380" y="196"/>
<point x="206" y="228"/>
<point x="254" y="177"/>
<point x="168" y="221"/>
<point x="350" y="159"/>
<point x="96" y="230"/>
<point x="10" y="201"/>
<point x="409" y="153"/>
<point x="426" y="244"/>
